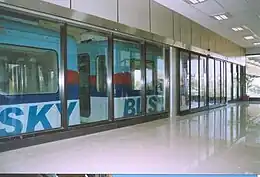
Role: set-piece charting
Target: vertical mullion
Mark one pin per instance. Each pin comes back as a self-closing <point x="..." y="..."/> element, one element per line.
<point x="179" y="70"/>
<point x="167" y="79"/>
<point x="220" y="62"/>
<point x="199" y="81"/>
<point x="63" y="76"/>
<point x="232" y="81"/>
<point x="226" y="87"/>
<point x="214" y="80"/>
<point x="238" y="83"/>
<point x="243" y="80"/>
<point x="207" y="81"/>
<point x="110" y="78"/>
<point x="189" y="80"/>
<point x="143" y="78"/>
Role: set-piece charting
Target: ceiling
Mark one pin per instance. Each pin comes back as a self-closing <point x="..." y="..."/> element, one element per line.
<point x="243" y="13"/>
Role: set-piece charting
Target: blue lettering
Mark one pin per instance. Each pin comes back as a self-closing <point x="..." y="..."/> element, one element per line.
<point x="35" y="118"/>
<point x="70" y="108"/>
<point x="7" y="120"/>
<point x="129" y="109"/>
<point x="133" y="107"/>
<point x="152" y="103"/>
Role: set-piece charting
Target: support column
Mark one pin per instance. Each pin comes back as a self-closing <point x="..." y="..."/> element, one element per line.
<point x="173" y="83"/>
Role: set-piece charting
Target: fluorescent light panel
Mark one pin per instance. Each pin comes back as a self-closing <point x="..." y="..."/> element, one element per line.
<point x="256" y="43"/>
<point x="221" y="17"/>
<point x="224" y="17"/>
<point x="237" y="29"/>
<point x="249" y="37"/>
<point x="196" y="1"/>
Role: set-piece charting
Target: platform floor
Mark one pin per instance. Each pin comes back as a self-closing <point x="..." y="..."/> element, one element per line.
<point x="226" y="140"/>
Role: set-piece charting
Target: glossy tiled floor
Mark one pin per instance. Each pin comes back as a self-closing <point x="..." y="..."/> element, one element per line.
<point x="221" y="141"/>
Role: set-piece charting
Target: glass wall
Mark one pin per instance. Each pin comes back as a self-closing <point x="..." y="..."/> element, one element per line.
<point x="203" y="69"/>
<point x="252" y="80"/>
<point x="205" y="82"/>
<point x="223" y="82"/>
<point x="229" y="82"/>
<point x="87" y="60"/>
<point x="194" y="76"/>
<point x="127" y="78"/>
<point x="239" y="81"/>
<point x="211" y="81"/>
<point x="218" y="81"/>
<point x="253" y="86"/>
<point x="235" y="83"/>
<point x="155" y="76"/>
<point x="29" y="62"/>
<point x="184" y="81"/>
<point x="45" y="67"/>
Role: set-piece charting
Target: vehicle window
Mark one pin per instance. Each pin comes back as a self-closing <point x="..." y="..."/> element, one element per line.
<point x="101" y="73"/>
<point x="27" y="70"/>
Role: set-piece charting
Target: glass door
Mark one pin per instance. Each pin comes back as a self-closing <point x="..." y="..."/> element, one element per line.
<point x="184" y="81"/>
<point x="211" y="81"/>
<point x="203" y="98"/>
<point x="194" y="81"/>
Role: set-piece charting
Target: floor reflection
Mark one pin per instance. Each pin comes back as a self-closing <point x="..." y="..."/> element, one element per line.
<point x="224" y="140"/>
<point x="230" y="138"/>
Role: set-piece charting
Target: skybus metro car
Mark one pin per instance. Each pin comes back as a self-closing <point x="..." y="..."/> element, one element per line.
<point x="29" y="92"/>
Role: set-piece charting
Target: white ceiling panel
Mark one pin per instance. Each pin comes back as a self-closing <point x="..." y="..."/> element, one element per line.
<point x="243" y="12"/>
<point x="210" y="7"/>
<point x="233" y="5"/>
<point x="254" y="4"/>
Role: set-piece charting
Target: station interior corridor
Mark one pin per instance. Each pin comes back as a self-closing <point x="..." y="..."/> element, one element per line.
<point x="224" y="140"/>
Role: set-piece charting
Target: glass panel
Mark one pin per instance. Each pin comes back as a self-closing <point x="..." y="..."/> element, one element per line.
<point x="253" y="86"/>
<point x="87" y="76"/>
<point x="203" y="98"/>
<point x="211" y="82"/>
<point x="223" y="82"/>
<point x="239" y="87"/>
<point x="29" y="57"/>
<point x="184" y="81"/>
<point x="155" y="74"/>
<point x="194" y="81"/>
<point x="218" y="81"/>
<point x="229" y="82"/>
<point x="127" y="78"/>
<point x="235" y="81"/>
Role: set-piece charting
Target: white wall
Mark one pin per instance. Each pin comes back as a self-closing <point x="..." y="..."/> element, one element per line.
<point x="161" y="20"/>
<point x="134" y="13"/>
<point x="102" y="8"/>
<point x="64" y="3"/>
<point x="151" y="16"/>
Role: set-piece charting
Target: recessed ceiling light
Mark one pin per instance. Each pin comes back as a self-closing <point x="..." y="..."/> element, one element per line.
<point x="194" y="1"/>
<point x="249" y="37"/>
<point x="238" y="29"/>
<point x="224" y="17"/>
<point x="221" y="17"/>
<point x="256" y="43"/>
